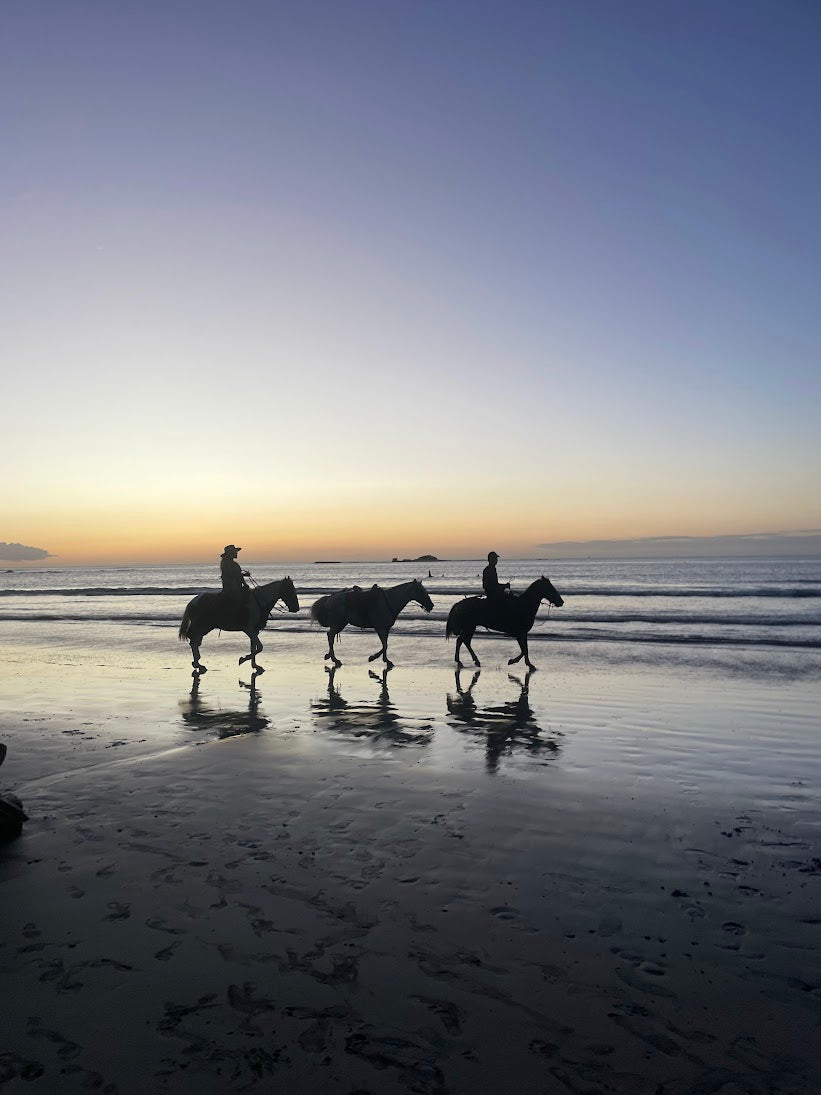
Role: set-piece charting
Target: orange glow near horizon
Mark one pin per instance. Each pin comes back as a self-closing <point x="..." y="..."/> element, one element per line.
<point x="357" y="531"/>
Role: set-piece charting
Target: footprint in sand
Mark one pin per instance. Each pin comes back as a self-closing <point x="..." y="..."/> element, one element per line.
<point x="167" y="953"/>
<point x="88" y="1079"/>
<point x="52" y="970"/>
<point x="733" y="928"/>
<point x="158" y="924"/>
<point x="12" y="1066"/>
<point x="505" y="912"/>
<point x="450" y="1015"/>
<point x="120" y="910"/>
<point x="315" y="1038"/>
<point x="66" y="1050"/>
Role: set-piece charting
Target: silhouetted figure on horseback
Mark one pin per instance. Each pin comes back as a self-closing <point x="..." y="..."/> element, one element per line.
<point x="498" y="595"/>
<point x="235" y="587"/>
<point x="499" y="611"/>
<point x="234" y="608"/>
<point x="490" y="579"/>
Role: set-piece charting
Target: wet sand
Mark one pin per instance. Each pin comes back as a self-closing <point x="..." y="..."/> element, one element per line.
<point x="604" y="878"/>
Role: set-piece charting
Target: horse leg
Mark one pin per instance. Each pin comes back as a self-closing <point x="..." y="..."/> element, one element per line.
<point x="522" y="641"/>
<point x="330" y="653"/>
<point x="195" y="638"/>
<point x="468" y="635"/>
<point x="382" y="652"/>
<point x="383" y="635"/>
<point x="256" y="647"/>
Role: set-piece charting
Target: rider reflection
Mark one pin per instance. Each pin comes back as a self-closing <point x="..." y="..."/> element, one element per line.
<point x="506" y="728"/>
<point x="199" y="715"/>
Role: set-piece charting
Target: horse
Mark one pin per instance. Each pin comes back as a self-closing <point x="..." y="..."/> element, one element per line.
<point x="375" y="608"/>
<point x="210" y="610"/>
<point x="509" y="614"/>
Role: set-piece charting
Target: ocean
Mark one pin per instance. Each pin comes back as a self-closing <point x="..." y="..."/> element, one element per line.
<point x="766" y="611"/>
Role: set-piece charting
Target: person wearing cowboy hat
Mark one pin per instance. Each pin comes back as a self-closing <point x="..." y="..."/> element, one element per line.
<point x="490" y="579"/>
<point x="233" y="580"/>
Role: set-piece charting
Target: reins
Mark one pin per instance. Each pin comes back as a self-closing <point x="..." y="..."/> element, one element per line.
<point x="280" y="608"/>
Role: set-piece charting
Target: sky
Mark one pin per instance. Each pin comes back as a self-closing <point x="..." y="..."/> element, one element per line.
<point x="354" y="279"/>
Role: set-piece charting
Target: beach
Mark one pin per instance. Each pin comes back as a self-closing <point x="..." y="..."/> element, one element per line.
<point x="599" y="877"/>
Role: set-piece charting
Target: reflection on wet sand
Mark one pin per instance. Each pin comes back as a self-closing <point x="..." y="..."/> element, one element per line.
<point x="377" y="721"/>
<point x="198" y="714"/>
<point x="506" y="728"/>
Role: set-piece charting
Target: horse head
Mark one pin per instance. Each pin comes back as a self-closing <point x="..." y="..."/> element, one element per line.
<point x="549" y="593"/>
<point x="288" y="594"/>
<point x="421" y="596"/>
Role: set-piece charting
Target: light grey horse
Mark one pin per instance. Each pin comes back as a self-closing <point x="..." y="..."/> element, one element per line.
<point x="373" y="608"/>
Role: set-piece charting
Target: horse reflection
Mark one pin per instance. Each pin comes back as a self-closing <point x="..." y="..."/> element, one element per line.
<point x="378" y="722"/>
<point x="199" y="714"/>
<point x="507" y="728"/>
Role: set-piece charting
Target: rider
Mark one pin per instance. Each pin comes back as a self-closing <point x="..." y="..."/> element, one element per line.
<point x="233" y="582"/>
<point x="493" y="588"/>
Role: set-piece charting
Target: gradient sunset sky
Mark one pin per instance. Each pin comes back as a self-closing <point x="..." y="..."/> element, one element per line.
<point x="353" y="279"/>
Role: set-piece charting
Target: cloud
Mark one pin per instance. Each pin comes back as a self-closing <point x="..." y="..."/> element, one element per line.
<point x="19" y="553"/>
<point x="800" y="542"/>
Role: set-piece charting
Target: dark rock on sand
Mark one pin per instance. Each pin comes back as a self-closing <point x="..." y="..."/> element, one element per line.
<point x="12" y="814"/>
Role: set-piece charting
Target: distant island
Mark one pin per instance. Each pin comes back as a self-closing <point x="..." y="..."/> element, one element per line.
<point x="418" y="559"/>
<point x="326" y="562"/>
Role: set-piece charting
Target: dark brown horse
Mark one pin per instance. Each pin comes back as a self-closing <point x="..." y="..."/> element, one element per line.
<point x="208" y="611"/>
<point x="375" y="608"/>
<point x="511" y="615"/>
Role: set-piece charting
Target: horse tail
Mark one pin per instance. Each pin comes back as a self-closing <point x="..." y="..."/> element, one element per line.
<point x="454" y="624"/>
<point x="185" y="626"/>
<point x="319" y="610"/>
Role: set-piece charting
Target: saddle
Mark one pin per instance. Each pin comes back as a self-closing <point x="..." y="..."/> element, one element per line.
<point x="501" y="608"/>
<point x="363" y="600"/>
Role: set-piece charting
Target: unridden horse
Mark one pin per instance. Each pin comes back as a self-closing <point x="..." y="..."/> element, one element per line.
<point x="211" y="610"/>
<point x="511" y="615"/>
<point x="374" y="608"/>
